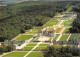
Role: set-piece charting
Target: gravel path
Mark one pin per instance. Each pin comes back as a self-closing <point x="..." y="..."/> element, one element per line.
<point x="32" y="49"/>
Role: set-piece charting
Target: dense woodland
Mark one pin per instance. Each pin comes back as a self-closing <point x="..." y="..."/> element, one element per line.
<point x="76" y="23"/>
<point x="15" y="19"/>
<point x="62" y="52"/>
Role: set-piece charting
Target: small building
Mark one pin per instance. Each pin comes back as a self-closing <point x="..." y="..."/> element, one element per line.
<point x="15" y="46"/>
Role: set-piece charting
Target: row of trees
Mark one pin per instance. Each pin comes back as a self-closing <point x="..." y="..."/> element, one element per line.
<point x="15" y="19"/>
<point x="62" y="52"/>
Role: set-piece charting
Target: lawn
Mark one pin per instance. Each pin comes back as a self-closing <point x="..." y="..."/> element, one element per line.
<point x="31" y="44"/>
<point x="57" y="35"/>
<point x="36" y="39"/>
<point x="52" y="22"/>
<point x="33" y="31"/>
<point x="69" y="9"/>
<point x="24" y="37"/>
<point x="50" y="39"/>
<point x="43" y="44"/>
<point x="40" y="48"/>
<point x="75" y="36"/>
<point x="56" y="46"/>
<point x="58" y="30"/>
<point x="28" y="48"/>
<point x="64" y="37"/>
<point x="36" y="54"/>
<point x="16" y="54"/>
<point x="66" y="30"/>
<point x="68" y="23"/>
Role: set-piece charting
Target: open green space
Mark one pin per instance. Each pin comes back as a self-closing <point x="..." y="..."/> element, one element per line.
<point x="57" y="35"/>
<point x="30" y="44"/>
<point x="66" y="30"/>
<point x="68" y="10"/>
<point x="64" y="18"/>
<point x="68" y="23"/>
<point x="50" y="39"/>
<point x="75" y="36"/>
<point x="33" y="31"/>
<point x="36" y="54"/>
<point x="64" y="37"/>
<point x="24" y="37"/>
<point x="28" y="48"/>
<point x="58" y="46"/>
<point x="52" y="22"/>
<point x="40" y="48"/>
<point x="43" y="44"/>
<point x="16" y="54"/>
<point x="57" y="14"/>
<point x="10" y="2"/>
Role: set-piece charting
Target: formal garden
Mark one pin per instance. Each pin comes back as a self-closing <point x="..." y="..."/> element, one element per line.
<point x="64" y="37"/>
<point x="24" y="37"/>
<point x="52" y="22"/>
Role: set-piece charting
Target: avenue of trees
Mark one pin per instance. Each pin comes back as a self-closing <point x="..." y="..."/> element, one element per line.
<point x="62" y="52"/>
<point x="15" y="19"/>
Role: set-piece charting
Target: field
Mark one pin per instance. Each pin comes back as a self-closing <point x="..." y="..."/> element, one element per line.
<point x="66" y="30"/>
<point x="52" y="22"/>
<point x="57" y="35"/>
<point x="16" y="54"/>
<point x="24" y="37"/>
<point x="75" y="37"/>
<point x="68" y="23"/>
<point x="64" y="37"/>
<point x="58" y="30"/>
<point x="35" y="54"/>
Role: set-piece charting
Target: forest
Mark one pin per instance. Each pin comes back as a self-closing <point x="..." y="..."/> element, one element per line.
<point x="62" y="52"/>
<point x="76" y="23"/>
<point x="15" y="19"/>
